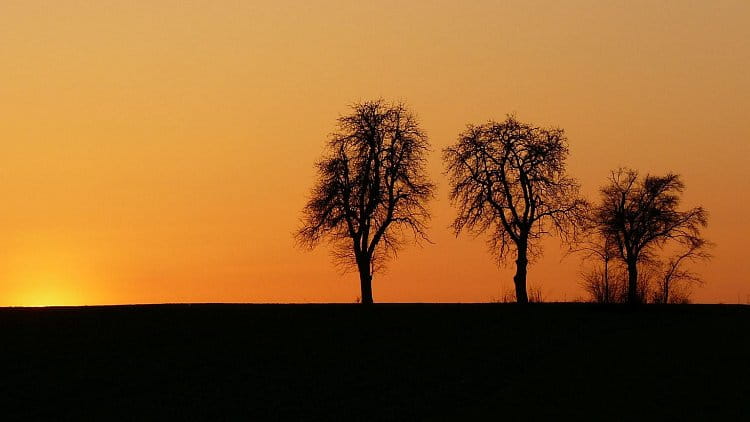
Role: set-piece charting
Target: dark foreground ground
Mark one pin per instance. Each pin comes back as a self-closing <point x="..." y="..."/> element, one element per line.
<point x="390" y="361"/>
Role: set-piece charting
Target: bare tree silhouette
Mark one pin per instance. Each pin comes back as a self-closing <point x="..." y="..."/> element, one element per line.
<point x="372" y="188"/>
<point x="672" y="286"/>
<point x="603" y="285"/>
<point x="509" y="178"/>
<point x="639" y="215"/>
<point x="602" y="282"/>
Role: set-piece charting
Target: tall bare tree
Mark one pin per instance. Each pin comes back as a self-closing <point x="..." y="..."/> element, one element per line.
<point x="509" y="178"/>
<point x="372" y="188"/>
<point x="639" y="215"/>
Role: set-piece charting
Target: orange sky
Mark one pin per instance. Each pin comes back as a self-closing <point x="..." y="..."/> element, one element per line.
<point x="161" y="151"/>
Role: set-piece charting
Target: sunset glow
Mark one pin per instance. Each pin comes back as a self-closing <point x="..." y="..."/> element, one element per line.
<point x="44" y="297"/>
<point x="162" y="151"/>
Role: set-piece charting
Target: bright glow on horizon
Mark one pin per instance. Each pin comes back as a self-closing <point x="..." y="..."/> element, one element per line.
<point x="43" y="291"/>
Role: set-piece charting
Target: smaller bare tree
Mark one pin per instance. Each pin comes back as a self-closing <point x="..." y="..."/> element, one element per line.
<point x="640" y="215"/>
<point x="604" y="285"/>
<point x="675" y="281"/>
<point x="599" y="281"/>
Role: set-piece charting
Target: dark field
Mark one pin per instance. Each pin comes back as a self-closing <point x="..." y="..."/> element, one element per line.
<point x="389" y="361"/>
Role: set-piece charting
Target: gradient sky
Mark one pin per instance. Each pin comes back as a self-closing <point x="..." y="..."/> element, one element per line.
<point x="161" y="151"/>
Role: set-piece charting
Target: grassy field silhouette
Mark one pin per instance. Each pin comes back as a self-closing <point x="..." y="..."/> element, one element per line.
<point x="385" y="361"/>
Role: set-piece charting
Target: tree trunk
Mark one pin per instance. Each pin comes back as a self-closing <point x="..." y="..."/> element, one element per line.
<point x="633" y="283"/>
<point x="520" y="278"/>
<point x="365" y="281"/>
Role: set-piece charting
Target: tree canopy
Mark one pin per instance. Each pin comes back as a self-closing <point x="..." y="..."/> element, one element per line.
<point x="509" y="179"/>
<point x="372" y="189"/>
<point x="639" y="215"/>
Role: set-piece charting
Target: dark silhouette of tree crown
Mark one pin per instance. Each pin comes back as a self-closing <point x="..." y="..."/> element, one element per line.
<point x="639" y="215"/>
<point x="372" y="187"/>
<point x="509" y="178"/>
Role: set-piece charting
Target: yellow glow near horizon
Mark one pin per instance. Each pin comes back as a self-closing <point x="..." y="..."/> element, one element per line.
<point x="48" y="270"/>
<point x="47" y="294"/>
<point x="46" y="287"/>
